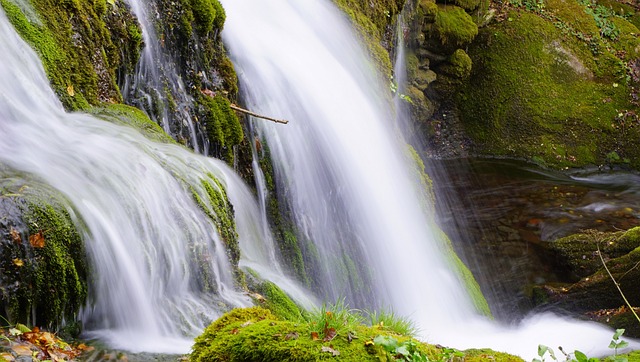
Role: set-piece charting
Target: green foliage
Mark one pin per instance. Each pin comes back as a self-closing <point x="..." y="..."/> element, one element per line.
<point x="454" y="26"/>
<point x="579" y="356"/>
<point x="334" y="320"/>
<point x="389" y="321"/>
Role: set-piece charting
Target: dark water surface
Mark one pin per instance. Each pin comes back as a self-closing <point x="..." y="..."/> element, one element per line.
<point x="501" y="215"/>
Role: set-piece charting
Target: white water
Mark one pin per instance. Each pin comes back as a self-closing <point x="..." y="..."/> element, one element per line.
<point x="348" y="182"/>
<point x="150" y="246"/>
<point x="156" y="79"/>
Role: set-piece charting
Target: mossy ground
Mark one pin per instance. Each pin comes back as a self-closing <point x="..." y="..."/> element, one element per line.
<point x="44" y="270"/>
<point x="546" y="85"/>
<point x="255" y="334"/>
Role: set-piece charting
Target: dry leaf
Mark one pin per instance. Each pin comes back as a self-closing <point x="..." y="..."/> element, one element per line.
<point x="292" y="335"/>
<point x="314" y="336"/>
<point x="329" y="334"/>
<point x="22" y="350"/>
<point x="234" y="331"/>
<point x="330" y="350"/>
<point x="37" y="240"/>
<point x="208" y="92"/>
<point x="18" y="262"/>
<point x="7" y="357"/>
<point x="70" y="90"/>
<point x="15" y="236"/>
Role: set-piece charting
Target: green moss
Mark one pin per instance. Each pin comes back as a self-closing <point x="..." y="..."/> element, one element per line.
<point x="535" y="92"/>
<point x="371" y="20"/>
<point x="464" y="274"/>
<point x="76" y="48"/>
<point x="255" y="334"/>
<point x="205" y="13"/>
<point x="278" y="302"/>
<point x="44" y="270"/>
<point x="468" y="5"/>
<point x="221" y="124"/>
<point x="628" y="41"/>
<point x="427" y="9"/>
<point x="459" y="65"/>
<point x="453" y="26"/>
<point x="131" y="116"/>
<point x="426" y="193"/>
<point x="218" y="208"/>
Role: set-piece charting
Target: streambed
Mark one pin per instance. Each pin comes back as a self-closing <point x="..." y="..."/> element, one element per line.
<point x="502" y="214"/>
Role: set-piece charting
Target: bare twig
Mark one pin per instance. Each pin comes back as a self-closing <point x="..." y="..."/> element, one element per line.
<point x="616" y="283"/>
<point x="242" y="110"/>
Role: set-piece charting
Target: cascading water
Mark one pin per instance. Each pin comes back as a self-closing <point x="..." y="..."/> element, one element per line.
<point x="156" y="81"/>
<point x="160" y="269"/>
<point x="348" y="183"/>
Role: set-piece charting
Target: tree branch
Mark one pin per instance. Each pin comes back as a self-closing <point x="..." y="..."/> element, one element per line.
<point x="242" y="110"/>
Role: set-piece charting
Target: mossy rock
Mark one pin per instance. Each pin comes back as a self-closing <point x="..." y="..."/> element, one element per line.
<point x="454" y="27"/>
<point x="221" y="124"/>
<point x="75" y="42"/>
<point x="255" y="334"/>
<point x="135" y="118"/>
<point x="537" y="93"/>
<point x="372" y="20"/>
<point x="467" y="5"/>
<point x="458" y="66"/>
<point x="598" y="291"/>
<point x="579" y="253"/>
<point x="43" y="262"/>
<point x="277" y="301"/>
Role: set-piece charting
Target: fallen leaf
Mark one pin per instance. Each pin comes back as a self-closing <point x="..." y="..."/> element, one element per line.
<point x="234" y="331"/>
<point x="18" y="262"/>
<point x="351" y="336"/>
<point x="22" y="328"/>
<point x="276" y="336"/>
<point x="15" y="236"/>
<point x="247" y="323"/>
<point x="84" y="348"/>
<point x="292" y="335"/>
<point x="330" y="350"/>
<point x="7" y="357"/>
<point x="329" y="334"/>
<point x="70" y="90"/>
<point x="37" y="240"/>
<point x="21" y="350"/>
<point x="314" y="336"/>
<point x="208" y="92"/>
<point x="14" y="332"/>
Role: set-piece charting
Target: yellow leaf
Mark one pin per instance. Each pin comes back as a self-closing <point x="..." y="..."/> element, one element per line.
<point x="70" y="90"/>
<point x="18" y="262"/>
<point x="15" y="236"/>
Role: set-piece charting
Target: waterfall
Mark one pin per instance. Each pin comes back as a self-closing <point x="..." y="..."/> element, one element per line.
<point x="156" y="81"/>
<point x="160" y="271"/>
<point x="347" y="180"/>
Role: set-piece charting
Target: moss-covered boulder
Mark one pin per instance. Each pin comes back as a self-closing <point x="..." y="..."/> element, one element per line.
<point x="580" y="253"/>
<point x="454" y="27"/>
<point x="553" y="83"/>
<point x="598" y="291"/>
<point x="43" y="271"/>
<point x="255" y="334"/>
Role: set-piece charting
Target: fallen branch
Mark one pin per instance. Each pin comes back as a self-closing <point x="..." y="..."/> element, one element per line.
<point x="242" y="110"/>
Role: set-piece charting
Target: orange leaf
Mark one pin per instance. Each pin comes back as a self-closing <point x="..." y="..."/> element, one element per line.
<point x="15" y="236"/>
<point x="314" y="336"/>
<point x="234" y="331"/>
<point x="37" y="240"/>
<point x="18" y="262"/>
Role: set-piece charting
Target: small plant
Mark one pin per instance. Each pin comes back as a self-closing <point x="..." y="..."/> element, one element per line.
<point x="542" y="351"/>
<point x="407" y="351"/>
<point x="337" y="319"/>
<point x="617" y="343"/>
<point x="389" y="321"/>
